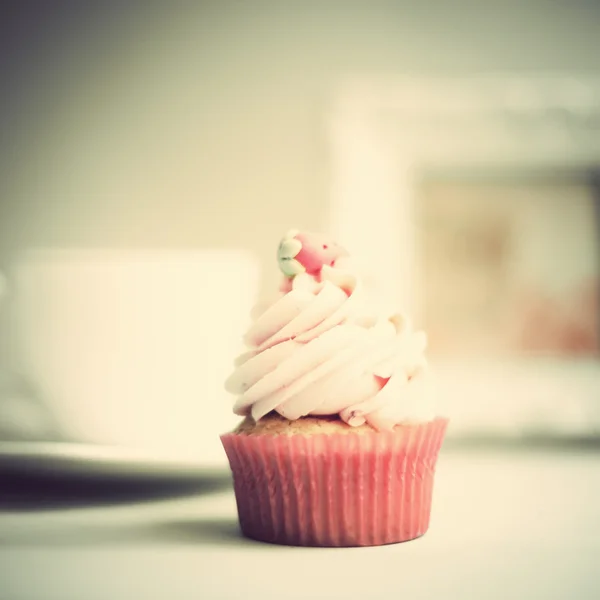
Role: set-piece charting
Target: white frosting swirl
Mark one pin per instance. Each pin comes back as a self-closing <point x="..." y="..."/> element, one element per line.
<point x="319" y="350"/>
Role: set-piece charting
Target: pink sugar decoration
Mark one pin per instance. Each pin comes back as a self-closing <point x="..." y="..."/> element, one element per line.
<point x="317" y="250"/>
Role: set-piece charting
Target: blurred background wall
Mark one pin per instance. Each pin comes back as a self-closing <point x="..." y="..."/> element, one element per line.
<point x="176" y="124"/>
<point x="205" y="126"/>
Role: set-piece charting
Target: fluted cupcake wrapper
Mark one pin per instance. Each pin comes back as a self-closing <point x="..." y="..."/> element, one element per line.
<point x="354" y="489"/>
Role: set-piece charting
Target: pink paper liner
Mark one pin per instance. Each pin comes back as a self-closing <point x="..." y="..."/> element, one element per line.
<point x="350" y="489"/>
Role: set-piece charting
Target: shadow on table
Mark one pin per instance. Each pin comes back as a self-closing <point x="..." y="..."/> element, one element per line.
<point x="220" y="532"/>
<point x="202" y="532"/>
<point x="21" y="492"/>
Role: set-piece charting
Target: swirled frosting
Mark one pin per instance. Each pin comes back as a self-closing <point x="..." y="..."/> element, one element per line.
<point x="321" y="348"/>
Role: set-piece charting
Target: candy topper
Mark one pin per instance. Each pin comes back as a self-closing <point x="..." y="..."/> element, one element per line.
<point x="301" y="252"/>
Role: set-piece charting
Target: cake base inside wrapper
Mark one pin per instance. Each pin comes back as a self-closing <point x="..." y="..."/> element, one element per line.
<point x="319" y="482"/>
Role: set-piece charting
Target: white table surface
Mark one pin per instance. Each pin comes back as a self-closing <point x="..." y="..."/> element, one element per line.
<point x="505" y="526"/>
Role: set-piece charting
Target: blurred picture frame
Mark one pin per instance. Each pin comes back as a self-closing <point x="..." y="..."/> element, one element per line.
<point x="407" y="152"/>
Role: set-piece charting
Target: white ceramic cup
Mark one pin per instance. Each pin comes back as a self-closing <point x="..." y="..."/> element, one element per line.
<point x="132" y="347"/>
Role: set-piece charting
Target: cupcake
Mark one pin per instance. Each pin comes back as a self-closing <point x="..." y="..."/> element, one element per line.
<point x="339" y="441"/>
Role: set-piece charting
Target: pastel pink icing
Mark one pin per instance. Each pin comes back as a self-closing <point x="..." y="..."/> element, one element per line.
<point x="319" y="349"/>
